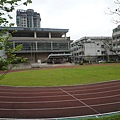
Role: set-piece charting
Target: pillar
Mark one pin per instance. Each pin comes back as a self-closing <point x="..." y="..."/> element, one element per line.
<point x="49" y="34"/>
<point x="35" y="35"/>
<point x="65" y="35"/>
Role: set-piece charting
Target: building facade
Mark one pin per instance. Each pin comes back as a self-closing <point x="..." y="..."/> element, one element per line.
<point x="2" y="51"/>
<point x="91" y="49"/>
<point x="116" y="42"/>
<point x="28" y="18"/>
<point x="39" y="43"/>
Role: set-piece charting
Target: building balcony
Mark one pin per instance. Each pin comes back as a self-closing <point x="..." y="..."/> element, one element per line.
<point x="116" y="40"/>
<point x="41" y="51"/>
<point x="116" y="33"/>
<point x="36" y="39"/>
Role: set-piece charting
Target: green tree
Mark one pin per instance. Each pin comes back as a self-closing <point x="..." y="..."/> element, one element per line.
<point x="6" y="8"/>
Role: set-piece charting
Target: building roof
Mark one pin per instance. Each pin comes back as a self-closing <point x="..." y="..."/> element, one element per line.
<point x="93" y="38"/>
<point x="36" y="29"/>
<point x="41" y="31"/>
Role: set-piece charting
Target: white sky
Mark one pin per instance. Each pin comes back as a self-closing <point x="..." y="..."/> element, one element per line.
<point x="81" y="17"/>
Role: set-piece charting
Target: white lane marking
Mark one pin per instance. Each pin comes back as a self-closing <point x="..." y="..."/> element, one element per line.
<point x="85" y="89"/>
<point x="36" y="92"/>
<point x="81" y="101"/>
<point x="65" y="107"/>
<point x="4" y="96"/>
<point x="61" y="100"/>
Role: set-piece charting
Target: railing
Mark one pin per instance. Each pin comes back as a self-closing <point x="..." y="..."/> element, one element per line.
<point x="39" y="51"/>
<point x="37" y="39"/>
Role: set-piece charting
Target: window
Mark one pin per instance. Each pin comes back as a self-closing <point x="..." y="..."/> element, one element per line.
<point x="82" y="52"/>
<point x="27" y="46"/>
<point x="98" y="50"/>
<point x="114" y="45"/>
<point x="102" y="46"/>
<point x="102" y="52"/>
<point x="79" y="53"/>
<point x="44" y="46"/>
<point x="60" y="46"/>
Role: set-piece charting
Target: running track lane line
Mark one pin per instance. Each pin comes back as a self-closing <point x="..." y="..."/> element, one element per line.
<point x="80" y="101"/>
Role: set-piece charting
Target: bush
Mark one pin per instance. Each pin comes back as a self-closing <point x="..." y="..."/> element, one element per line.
<point x="3" y="64"/>
<point x="80" y="63"/>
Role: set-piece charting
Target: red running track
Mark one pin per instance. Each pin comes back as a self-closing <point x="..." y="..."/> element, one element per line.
<point x="57" y="102"/>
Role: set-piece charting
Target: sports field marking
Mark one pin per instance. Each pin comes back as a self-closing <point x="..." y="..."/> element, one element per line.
<point x="106" y="104"/>
<point x="73" y="89"/>
<point x="104" y="85"/>
<point x="80" y="101"/>
<point x="108" y="91"/>
<point x="65" y="107"/>
<point x="61" y="100"/>
<point x="83" y="89"/>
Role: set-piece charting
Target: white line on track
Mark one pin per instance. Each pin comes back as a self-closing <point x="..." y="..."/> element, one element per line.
<point x="60" y="100"/>
<point x="80" y="101"/>
<point x="6" y="96"/>
<point x="39" y="101"/>
<point x="97" y="85"/>
<point x="64" y="107"/>
<point x="26" y="92"/>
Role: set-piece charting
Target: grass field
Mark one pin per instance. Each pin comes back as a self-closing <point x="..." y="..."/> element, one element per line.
<point x="85" y="74"/>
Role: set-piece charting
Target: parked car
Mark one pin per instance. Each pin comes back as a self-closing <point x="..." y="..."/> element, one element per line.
<point x="102" y="61"/>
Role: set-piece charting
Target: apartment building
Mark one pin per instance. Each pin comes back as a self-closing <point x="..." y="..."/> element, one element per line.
<point x="91" y="49"/>
<point x="28" y="18"/>
<point x="116" y="42"/>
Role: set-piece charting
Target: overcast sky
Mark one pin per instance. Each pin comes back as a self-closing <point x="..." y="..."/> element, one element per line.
<point x="81" y="17"/>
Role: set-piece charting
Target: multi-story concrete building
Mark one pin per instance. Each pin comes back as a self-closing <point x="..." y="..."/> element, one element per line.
<point x="116" y="42"/>
<point x="28" y="18"/>
<point x="39" y="43"/>
<point x="91" y="49"/>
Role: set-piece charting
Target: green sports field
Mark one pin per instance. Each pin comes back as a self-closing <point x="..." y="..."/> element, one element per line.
<point x="84" y="74"/>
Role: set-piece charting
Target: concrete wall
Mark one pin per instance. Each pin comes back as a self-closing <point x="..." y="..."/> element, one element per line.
<point x="34" y="57"/>
<point x="22" y="66"/>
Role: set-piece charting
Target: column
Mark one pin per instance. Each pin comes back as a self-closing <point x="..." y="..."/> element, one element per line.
<point x="65" y="35"/>
<point x="51" y="45"/>
<point x="35" y="35"/>
<point x="36" y="45"/>
<point x="49" y="34"/>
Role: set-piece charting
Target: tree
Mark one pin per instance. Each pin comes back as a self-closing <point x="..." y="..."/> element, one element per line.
<point x="6" y="7"/>
<point x="116" y="20"/>
<point x="115" y="12"/>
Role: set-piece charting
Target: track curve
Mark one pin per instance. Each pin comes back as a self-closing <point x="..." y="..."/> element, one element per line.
<point x="56" y="102"/>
